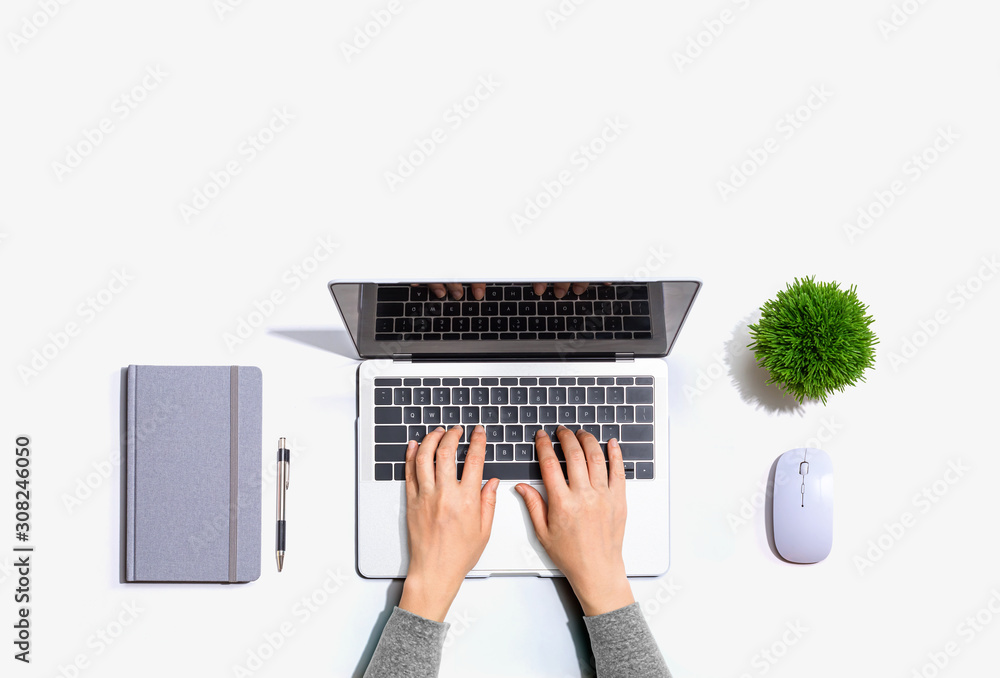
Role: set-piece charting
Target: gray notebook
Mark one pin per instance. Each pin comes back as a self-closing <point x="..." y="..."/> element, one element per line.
<point x="193" y="474"/>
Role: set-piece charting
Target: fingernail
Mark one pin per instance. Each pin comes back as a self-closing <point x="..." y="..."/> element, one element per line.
<point x="439" y="293"/>
<point x="439" y="428"/>
<point x="613" y="442"/>
<point x="479" y="428"/>
<point x="411" y="444"/>
<point x="559" y="427"/>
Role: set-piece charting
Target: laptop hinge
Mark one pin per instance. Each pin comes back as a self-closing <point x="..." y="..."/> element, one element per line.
<point x="402" y="357"/>
<point x="624" y="357"/>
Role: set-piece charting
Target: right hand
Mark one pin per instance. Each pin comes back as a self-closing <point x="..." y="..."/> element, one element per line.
<point x="582" y="527"/>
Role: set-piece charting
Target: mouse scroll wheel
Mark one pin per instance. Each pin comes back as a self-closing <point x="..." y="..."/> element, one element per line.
<point x="803" y="468"/>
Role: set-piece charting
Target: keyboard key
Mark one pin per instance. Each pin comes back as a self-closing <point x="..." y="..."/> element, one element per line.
<point x="613" y="324"/>
<point x="410" y="381"/>
<point x="508" y="414"/>
<point x="615" y="395"/>
<point x="441" y="325"/>
<point x="546" y="381"/>
<point x="637" y="450"/>
<point x="387" y="381"/>
<point x="530" y="430"/>
<point x="383" y="471"/>
<point x="384" y="325"/>
<point x="418" y="293"/>
<point x="416" y="432"/>
<point x="383" y="396"/>
<point x="586" y="414"/>
<point x="395" y="452"/>
<point x="508" y="471"/>
<point x="421" y="396"/>
<point x="490" y="415"/>
<point x="512" y="293"/>
<point x="451" y="416"/>
<point x="432" y="416"/>
<point x="399" y="472"/>
<point x="461" y="325"/>
<point x="574" y="323"/>
<point x="523" y="451"/>
<point x="493" y="293"/>
<point x="462" y="451"/>
<point x="637" y="433"/>
<point x="537" y="396"/>
<point x="480" y="396"/>
<point x="411" y="415"/>
<point x="637" y="323"/>
<point x="489" y="381"/>
<point x="470" y="415"/>
<point x="389" y="293"/>
<point x="513" y="433"/>
<point x="433" y="309"/>
<point x="567" y="414"/>
<point x="624" y="381"/>
<point x="441" y="396"/>
<point x="388" y="415"/>
<point x="452" y="308"/>
<point x="605" y="414"/>
<point x="640" y="308"/>
<point x="489" y="308"/>
<point x="388" y="309"/>
<point x="593" y="429"/>
<point x="401" y="396"/>
<point x="546" y="414"/>
<point x="609" y="431"/>
<point x="499" y="396"/>
<point x="643" y="381"/>
<point x="494" y="434"/>
<point x="422" y="325"/>
<point x="638" y="394"/>
<point x="644" y="414"/>
<point x="577" y="395"/>
<point x="529" y="381"/>
<point x="451" y="381"/>
<point x="432" y="381"/>
<point x="644" y="470"/>
<point x="460" y="396"/>
<point x="528" y="414"/>
<point x="595" y="395"/>
<point x="498" y="324"/>
<point x="557" y="395"/>
<point x="518" y="395"/>
<point x="624" y="414"/>
<point x="390" y="434"/>
<point x="546" y="308"/>
<point x="606" y="292"/>
<point x="504" y="452"/>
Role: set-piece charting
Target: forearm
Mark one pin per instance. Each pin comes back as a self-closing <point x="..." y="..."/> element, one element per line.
<point x="410" y="647"/>
<point x="623" y="645"/>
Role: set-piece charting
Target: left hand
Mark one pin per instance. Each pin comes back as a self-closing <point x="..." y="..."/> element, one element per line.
<point x="448" y="521"/>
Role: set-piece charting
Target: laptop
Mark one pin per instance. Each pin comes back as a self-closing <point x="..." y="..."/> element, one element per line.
<point x="514" y="361"/>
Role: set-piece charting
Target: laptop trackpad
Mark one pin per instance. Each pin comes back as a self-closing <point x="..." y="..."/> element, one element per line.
<point x="513" y="546"/>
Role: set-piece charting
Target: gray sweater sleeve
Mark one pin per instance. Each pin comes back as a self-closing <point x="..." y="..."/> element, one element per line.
<point x="624" y="646"/>
<point x="410" y="647"/>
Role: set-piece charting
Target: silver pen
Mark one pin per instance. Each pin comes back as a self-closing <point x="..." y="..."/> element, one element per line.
<point x="284" y="468"/>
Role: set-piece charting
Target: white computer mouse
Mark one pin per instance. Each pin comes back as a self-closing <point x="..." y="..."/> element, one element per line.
<point x="802" y="505"/>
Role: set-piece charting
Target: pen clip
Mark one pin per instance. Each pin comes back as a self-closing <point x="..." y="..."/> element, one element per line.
<point x="288" y="472"/>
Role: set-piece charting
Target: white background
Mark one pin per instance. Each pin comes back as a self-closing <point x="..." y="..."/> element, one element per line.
<point x="649" y="204"/>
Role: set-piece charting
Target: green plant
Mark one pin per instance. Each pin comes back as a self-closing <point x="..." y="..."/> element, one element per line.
<point x="814" y="338"/>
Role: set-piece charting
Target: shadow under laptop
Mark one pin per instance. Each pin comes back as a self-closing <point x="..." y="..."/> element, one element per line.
<point x="333" y="341"/>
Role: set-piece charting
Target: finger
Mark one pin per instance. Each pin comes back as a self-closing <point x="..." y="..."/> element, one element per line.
<point x="617" y="480"/>
<point x="438" y="290"/>
<point x="580" y="288"/>
<point x="576" y="462"/>
<point x="446" y="449"/>
<point x="488" y="499"/>
<point x="478" y="290"/>
<point x="538" y="510"/>
<point x="539" y="288"/>
<point x="474" y="459"/>
<point x="560" y="289"/>
<point x="548" y="462"/>
<point x="410" y="470"/>
<point x="596" y="468"/>
<point x="456" y="290"/>
<point x="425" y="459"/>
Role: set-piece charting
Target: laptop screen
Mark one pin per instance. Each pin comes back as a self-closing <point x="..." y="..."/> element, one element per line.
<point x="560" y="320"/>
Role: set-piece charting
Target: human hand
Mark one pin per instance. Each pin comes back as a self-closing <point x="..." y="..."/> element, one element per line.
<point x="559" y="289"/>
<point x="448" y="521"/>
<point x="583" y="525"/>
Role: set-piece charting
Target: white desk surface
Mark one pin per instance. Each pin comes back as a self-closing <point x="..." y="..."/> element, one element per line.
<point x="648" y="204"/>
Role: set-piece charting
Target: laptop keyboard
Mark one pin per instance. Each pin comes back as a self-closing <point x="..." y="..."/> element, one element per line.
<point x="513" y="312"/>
<point x="512" y="409"/>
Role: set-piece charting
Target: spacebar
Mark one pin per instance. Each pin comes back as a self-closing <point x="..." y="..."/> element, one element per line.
<point x="508" y="470"/>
